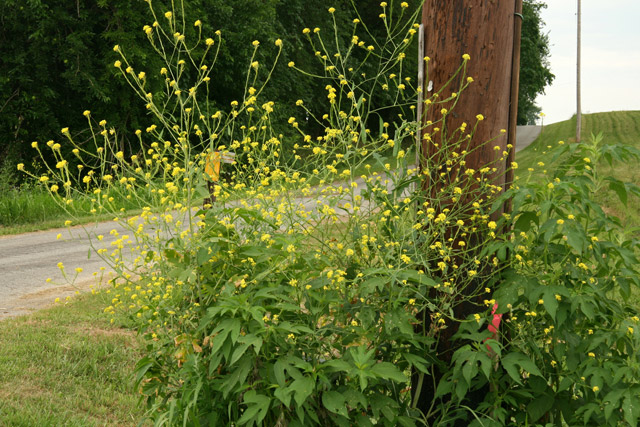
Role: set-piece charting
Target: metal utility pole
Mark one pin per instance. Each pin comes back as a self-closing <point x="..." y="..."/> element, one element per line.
<point x="578" y="82"/>
<point x="489" y="32"/>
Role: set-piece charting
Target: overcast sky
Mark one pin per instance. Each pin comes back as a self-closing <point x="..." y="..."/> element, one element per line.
<point x="610" y="57"/>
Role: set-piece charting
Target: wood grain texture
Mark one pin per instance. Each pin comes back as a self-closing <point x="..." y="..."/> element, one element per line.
<point x="483" y="29"/>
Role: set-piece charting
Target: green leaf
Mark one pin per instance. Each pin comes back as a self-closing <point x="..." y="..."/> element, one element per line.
<point x="587" y="307"/>
<point x="612" y="401"/>
<point x="388" y="371"/>
<point x="370" y="285"/>
<point x="218" y="341"/>
<point x="237" y="376"/>
<point x="361" y="357"/>
<point x="398" y="320"/>
<point x="278" y="371"/>
<point x="284" y="395"/>
<point x="550" y="303"/>
<point x="384" y="404"/>
<point x="512" y="361"/>
<point x="253" y="340"/>
<point x="631" y="409"/>
<point x="539" y="406"/>
<point x="142" y="367"/>
<point x="237" y="353"/>
<point x="355" y="399"/>
<point x="523" y="223"/>
<point x="302" y="388"/>
<point x="335" y="402"/>
<point x="417" y="277"/>
<point x="418" y="362"/>
<point x="258" y="405"/>
<point x="469" y="367"/>
<point x="485" y="363"/>
<point x="619" y="187"/>
<point x="565" y="384"/>
<point x="337" y="365"/>
<point x="576" y="238"/>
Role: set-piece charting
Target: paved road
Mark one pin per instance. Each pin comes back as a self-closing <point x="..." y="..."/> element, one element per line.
<point x="525" y="135"/>
<point x="27" y="260"/>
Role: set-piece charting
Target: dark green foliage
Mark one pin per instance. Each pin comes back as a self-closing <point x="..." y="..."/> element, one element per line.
<point x="57" y="60"/>
<point x="56" y="64"/>
<point x="535" y="73"/>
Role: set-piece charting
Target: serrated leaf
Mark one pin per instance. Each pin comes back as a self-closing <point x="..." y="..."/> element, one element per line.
<point x="237" y="353"/>
<point x="336" y="365"/>
<point x="613" y="399"/>
<point x="418" y="362"/>
<point x="369" y="285"/>
<point x="631" y="409"/>
<point x="523" y="223"/>
<point x="278" y="371"/>
<point x="576" y="238"/>
<point x="417" y="277"/>
<point x="253" y="340"/>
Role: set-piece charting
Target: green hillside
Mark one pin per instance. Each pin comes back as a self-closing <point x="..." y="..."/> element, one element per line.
<point x="618" y="127"/>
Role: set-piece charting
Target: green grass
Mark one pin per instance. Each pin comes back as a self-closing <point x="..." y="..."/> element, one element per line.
<point x="67" y="366"/>
<point x="32" y="209"/>
<point x="618" y="127"/>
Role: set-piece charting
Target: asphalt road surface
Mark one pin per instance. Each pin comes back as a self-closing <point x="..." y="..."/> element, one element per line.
<point x="28" y="260"/>
<point x="525" y="135"/>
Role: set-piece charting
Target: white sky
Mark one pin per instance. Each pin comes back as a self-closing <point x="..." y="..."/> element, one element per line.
<point x="610" y="57"/>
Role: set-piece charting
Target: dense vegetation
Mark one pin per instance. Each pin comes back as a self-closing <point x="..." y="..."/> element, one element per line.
<point x="535" y="71"/>
<point x="308" y="294"/>
<point x="616" y="127"/>
<point x="56" y="58"/>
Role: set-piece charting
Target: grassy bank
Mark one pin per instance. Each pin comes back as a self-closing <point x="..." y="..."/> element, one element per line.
<point x="32" y="208"/>
<point x="67" y="366"/>
<point x="618" y="127"/>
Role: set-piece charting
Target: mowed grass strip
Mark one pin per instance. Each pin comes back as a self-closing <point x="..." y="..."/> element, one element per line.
<point x="67" y="366"/>
<point x="617" y="127"/>
<point x="33" y="209"/>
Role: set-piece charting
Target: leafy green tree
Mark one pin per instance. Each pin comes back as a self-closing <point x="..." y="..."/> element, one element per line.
<point x="57" y="60"/>
<point x="535" y="72"/>
<point x="56" y="64"/>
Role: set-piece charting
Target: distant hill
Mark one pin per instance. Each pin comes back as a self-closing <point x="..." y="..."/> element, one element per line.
<point x="621" y="127"/>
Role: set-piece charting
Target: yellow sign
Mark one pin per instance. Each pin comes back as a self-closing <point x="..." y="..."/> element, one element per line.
<point x="212" y="165"/>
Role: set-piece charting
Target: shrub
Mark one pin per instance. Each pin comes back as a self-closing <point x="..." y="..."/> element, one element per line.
<point x="306" y="295"/>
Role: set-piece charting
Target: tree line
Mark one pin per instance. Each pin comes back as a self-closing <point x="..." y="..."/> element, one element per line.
<point x="57" y="60"/>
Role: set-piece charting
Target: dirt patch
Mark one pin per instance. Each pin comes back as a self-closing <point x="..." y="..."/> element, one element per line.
<point x="31" y="302"/>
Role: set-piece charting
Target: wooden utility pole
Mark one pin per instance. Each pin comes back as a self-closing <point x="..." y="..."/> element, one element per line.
<point x="578" y="78"/>
<point x="489" y="32"/>
<point x="483" y="29"/>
